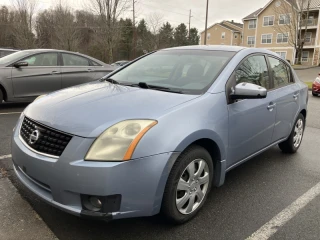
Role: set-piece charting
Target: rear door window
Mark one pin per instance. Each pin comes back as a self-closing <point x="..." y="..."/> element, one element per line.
<point x="280" y="72"/>
<point x="74" y="60"/>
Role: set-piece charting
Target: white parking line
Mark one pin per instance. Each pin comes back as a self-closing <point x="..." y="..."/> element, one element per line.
<point x="5" y="156"/>
<point x="270" y="228"/>
<point x="10" y="113"/>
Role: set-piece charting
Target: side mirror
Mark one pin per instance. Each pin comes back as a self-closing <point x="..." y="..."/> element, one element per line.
<point x="248" y="91"/>
<point x="20" y="64"/>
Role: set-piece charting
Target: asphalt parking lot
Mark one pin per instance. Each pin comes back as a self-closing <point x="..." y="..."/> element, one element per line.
<point x="253" y="194"/>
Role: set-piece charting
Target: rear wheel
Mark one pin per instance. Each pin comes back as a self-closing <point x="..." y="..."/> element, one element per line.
<point x="188" y="185"/>
<point x="292" y="144"/>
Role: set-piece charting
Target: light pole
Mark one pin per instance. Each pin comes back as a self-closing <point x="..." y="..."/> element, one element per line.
<point x="205" y="30"/>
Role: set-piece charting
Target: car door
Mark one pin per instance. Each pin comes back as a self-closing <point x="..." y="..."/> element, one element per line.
<point x="76" y="69"/>
<point x="251" y="121"/>
<point x="41" y="76"/>
<point x="287" y="97"/>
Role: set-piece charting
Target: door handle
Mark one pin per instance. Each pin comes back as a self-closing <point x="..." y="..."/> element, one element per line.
<point x="54" y="72"/>
<point x="271" y="106"/>
<point x="90" y="70"/>
<point x="295" y="96"/>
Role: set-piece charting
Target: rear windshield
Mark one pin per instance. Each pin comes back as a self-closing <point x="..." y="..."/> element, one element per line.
<point x="188" y="71"/>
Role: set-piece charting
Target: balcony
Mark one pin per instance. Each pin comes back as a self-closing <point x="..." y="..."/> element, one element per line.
<point x="311" y="23"/>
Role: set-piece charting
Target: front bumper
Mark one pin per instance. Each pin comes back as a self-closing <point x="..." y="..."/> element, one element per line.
<point x="61" y="182"/>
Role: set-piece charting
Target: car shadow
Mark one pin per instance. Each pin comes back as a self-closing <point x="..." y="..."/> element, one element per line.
<point x="12" y="107"/>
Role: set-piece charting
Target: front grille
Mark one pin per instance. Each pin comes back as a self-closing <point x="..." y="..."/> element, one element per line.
<point x="50" y="141"/>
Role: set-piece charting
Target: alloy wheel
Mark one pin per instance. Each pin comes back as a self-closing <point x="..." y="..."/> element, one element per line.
<point x="192" y="186"/>
<point x="298" y="133"/>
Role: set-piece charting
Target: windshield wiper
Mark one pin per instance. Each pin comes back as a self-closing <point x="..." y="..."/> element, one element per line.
<point x="154" y="87"/>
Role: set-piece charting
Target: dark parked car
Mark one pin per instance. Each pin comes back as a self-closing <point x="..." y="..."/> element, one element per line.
<point x="6" y="51"/>
<point x="25" y="75"/>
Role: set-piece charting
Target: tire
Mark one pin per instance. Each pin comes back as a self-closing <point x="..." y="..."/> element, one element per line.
<point x="290" y="145"/>
<point x="197" y="156"/>
<point x="314" y="94"/>
<point x="1" y="96"/>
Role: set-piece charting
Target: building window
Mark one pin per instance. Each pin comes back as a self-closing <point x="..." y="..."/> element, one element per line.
<point x="223" y="35"/>
<point x="266" y="38"/>
<point x="251" y="40"/>
<point x="284" y="19"/>
<point x="305" y="56"/>
<point x="311" y="21"/>
<point x="235" y="36"/>
<point x="283" y="55"/>
<point x="252" y="24"/>
<point x="208" y="36"/>
<point x="268" y="21"/>
<point x="282" y="37"/>
<point x="308" y="37"/>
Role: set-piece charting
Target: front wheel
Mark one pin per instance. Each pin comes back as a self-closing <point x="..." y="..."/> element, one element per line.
<point x="292" y="144"/>
<point x="314" y="94"/>
<point x="188" y="185"/>
<point x="1" y="96"/>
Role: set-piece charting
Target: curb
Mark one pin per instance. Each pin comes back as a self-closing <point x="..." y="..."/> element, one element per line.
<point x="304" y="68"/>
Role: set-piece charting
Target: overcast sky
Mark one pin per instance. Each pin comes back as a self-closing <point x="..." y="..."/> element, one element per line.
<point x="177" y="11"/>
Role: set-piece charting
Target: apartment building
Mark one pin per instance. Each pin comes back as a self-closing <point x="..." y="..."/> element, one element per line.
<point x="224" y="33"/>
<point x="274" y="27"/>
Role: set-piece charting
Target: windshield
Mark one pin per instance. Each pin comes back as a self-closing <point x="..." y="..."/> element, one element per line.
<point x="188" y="71"/>
<point x="13" y="57"/>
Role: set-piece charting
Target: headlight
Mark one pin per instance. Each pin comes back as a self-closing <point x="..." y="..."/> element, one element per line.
<point x="118" y="142"/>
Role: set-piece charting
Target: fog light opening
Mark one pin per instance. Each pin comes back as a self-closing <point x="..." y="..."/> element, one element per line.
<point x="95" y="202"/>
<point x="92" y="203"/>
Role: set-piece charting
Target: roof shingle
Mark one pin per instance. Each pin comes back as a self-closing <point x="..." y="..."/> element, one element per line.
<point x="240" y="25"/>
<point x="253" y="15"/>
<point x="228" y="27"/>
<point x="313" y="4"/>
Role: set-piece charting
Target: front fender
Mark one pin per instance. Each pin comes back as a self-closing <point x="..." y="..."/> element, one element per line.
<point x="202" y="134"/>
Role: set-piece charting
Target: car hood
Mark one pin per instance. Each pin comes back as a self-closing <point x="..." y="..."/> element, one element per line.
<point x="89" y="109"/>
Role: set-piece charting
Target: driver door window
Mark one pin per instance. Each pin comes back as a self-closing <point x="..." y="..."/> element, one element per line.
<point x="42" y="60"/>
<point x="254" y="70"/>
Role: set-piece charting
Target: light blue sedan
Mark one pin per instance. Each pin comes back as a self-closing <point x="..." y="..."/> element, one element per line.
<point x="157" y="134"/>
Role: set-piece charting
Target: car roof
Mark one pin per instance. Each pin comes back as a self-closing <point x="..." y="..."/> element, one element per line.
<point x="9" y="49"/>
<point x="62" y="51"/>
<point x="208" y="48"/>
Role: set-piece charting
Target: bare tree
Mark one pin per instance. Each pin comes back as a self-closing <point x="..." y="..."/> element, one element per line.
<point x="66" y="31"/>
<point x="292" y="17"/>
<point x="24" y="22"/>
<point x="108" y="12"/>
<point x="154" y="22"/>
